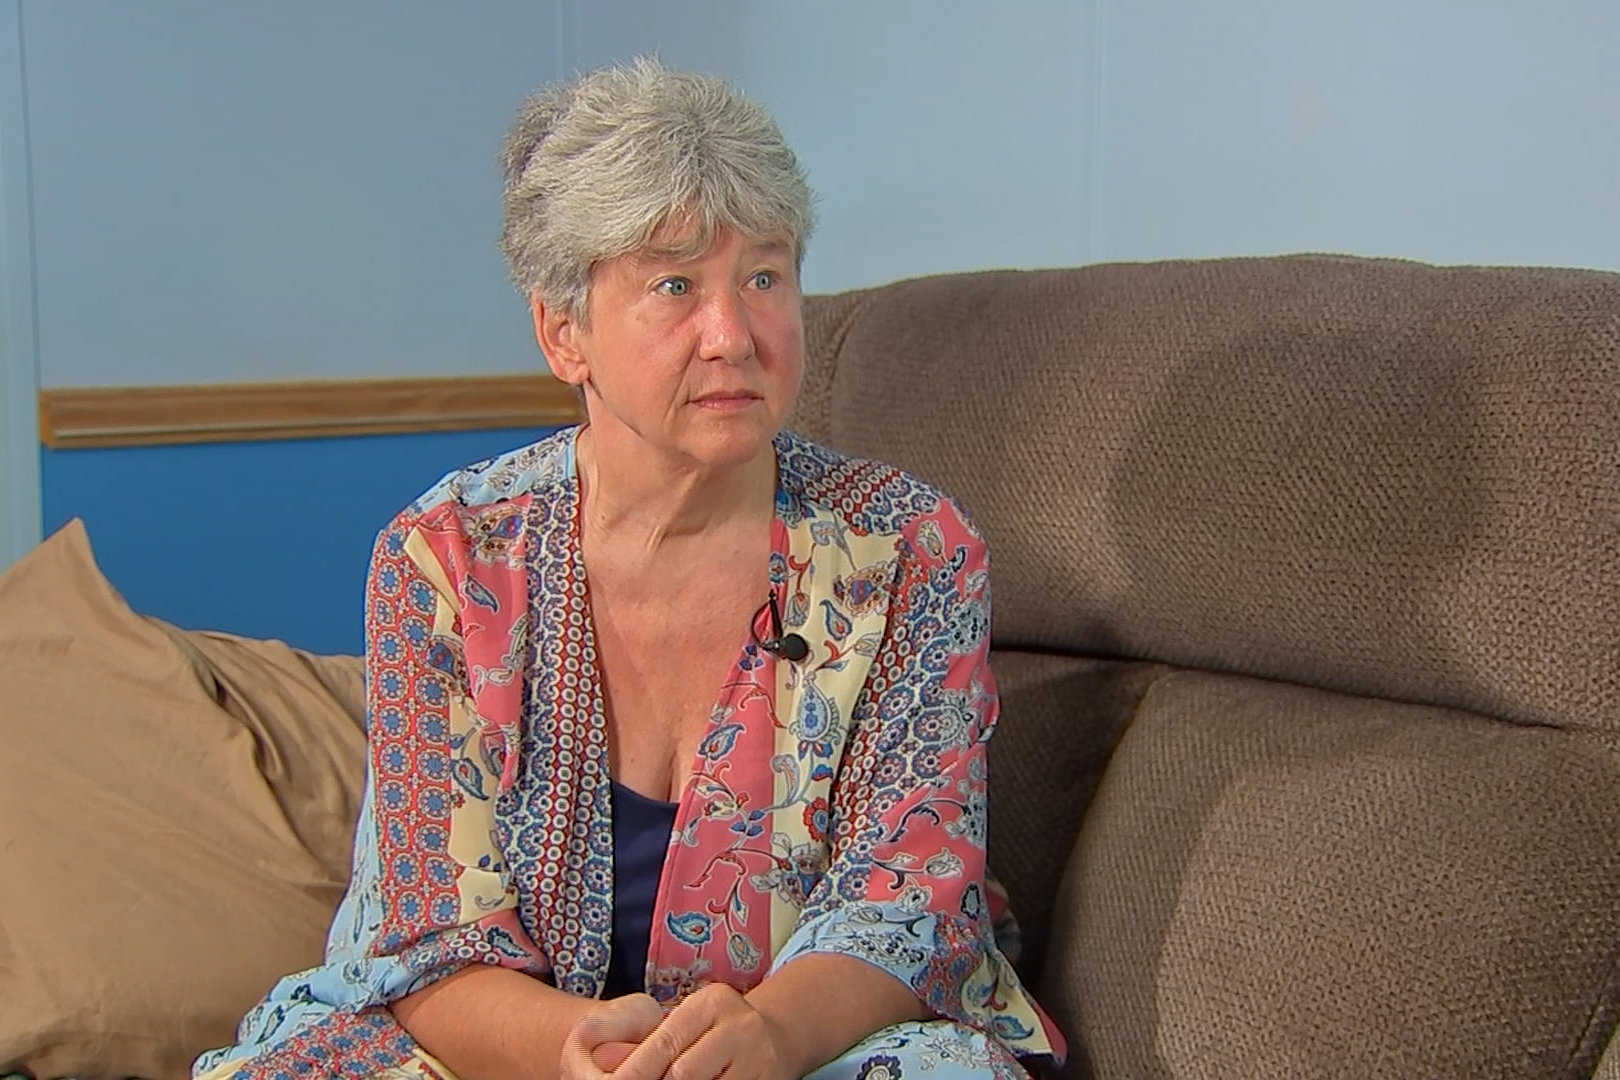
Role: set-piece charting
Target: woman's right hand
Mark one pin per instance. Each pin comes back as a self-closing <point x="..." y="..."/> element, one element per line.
<point x="600" y="1040"/>
<point x="610" y="1055"/>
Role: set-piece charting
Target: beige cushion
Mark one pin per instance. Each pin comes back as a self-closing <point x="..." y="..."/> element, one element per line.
<point x="1275" y="882"/>
<point x="174" y="815"/>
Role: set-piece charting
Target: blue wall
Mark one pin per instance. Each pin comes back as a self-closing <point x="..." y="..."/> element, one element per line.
<point x="195" y="192"/>
<point x="267" y="539"/>
<point x="940" y="135"/>
<point x="275" y="190"/>
<point x="1477" y="132"/>
<point x="957" y="134"/>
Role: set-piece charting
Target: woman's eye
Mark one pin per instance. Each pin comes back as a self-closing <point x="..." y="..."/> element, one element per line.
<point x="764" y="279"/>
<point x="674" y="286"/>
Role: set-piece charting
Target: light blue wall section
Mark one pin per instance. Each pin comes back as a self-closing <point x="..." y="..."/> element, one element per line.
<point x="957" y="134"/>
<point x="230" y="191"/>
<point x="19" y="439"/>
<point x="700" y="35"/>
<point x="275" y="190"/>
<point x="940" y="134"/>
<point x="1445" y="130"/>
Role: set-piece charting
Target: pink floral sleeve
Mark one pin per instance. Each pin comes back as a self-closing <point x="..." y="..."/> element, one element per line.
<point x="905" y="890"/>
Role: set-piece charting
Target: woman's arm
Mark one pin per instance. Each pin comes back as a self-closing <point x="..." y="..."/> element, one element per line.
<point x="905" y="891"/>
<point x="491" y="1023"/>
<point x="803" y="1015"/>
<point x="439" y="885"/>
<point x="826" y="1004"/>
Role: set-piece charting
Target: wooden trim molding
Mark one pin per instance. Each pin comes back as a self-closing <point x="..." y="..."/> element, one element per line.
<point x="243" y="412"/>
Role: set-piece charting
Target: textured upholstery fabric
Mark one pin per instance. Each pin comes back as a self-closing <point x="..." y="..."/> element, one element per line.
<point x="827" y="322"/>
<point x="1274" y="881"/>
<point x="1394" y="481"/>
<point x="1060" y="719"/>
<point x="175" y="812"/>
<point x="1372" y="476"/>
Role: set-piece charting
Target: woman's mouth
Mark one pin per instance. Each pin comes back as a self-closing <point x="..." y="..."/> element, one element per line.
<point x="726" y="402"/>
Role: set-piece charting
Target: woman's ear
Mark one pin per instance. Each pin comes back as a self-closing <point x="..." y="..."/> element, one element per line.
<point x="557" y="334"/>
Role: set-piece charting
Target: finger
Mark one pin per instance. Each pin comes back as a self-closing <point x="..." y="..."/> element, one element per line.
<point x="576" y="1062"/>
<point x="630" y="1019"/>
<point x="705" y="1059"/>
<point x="684" y="1025"/>
<point x="610" y="1055"/>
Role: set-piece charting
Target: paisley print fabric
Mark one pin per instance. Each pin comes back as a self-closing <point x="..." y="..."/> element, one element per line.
<point x="935" y="1050"/>
<point x="836" y="804"/>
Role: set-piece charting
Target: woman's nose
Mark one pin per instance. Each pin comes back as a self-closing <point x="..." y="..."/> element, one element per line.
<point x="727" y="334"/>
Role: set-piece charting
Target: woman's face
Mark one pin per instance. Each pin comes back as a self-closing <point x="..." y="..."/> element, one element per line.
<point x="699" y="356"/>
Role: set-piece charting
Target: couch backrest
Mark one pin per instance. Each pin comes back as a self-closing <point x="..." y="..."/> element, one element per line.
<point x="1372" y="476"/>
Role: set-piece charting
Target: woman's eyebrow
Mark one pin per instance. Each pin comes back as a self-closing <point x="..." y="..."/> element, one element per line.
<point x="657" y="258"/>
<point x="662" y="257"/>
<point x="773" y="249"/>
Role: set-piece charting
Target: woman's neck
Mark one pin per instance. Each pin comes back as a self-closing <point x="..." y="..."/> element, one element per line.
<point x="646" y="500"/>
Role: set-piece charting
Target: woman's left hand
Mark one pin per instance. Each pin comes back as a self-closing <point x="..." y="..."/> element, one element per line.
<point x="715" y="1031"/>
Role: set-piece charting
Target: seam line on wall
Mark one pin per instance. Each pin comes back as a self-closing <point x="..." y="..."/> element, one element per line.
<point x="30" y="249"/>
<point x="19" y="295"/>
<point x="1095" y="246"/>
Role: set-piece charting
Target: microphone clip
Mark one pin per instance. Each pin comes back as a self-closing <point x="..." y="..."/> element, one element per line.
<point x="790" y="647"/>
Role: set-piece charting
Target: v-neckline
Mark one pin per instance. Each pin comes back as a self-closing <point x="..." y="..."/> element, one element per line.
<point x="597" y="704"/>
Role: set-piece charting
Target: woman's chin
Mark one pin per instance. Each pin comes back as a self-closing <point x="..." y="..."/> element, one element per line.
<point x="733" y="442"/>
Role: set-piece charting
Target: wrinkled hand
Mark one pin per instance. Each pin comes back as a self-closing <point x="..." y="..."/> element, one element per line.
<point x="714" y="1032"/>
<point x="604" y="1037"/>
<point x="610" y="1055"/>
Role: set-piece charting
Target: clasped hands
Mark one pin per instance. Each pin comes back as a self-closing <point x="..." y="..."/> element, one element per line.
<point x="715" y="1033"/>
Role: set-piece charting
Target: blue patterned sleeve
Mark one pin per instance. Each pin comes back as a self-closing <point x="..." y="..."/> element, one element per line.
<point x="404" y="921"/>
<point x="905" y="889"/>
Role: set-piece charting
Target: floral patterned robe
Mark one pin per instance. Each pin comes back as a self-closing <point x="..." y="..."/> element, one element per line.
<point x="836" y="804"/>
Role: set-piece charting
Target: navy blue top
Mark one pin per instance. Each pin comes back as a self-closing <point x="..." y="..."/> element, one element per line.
<point x="641" y="828"/>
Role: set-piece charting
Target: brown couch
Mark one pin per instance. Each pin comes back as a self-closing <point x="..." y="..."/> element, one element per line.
<point x="1307" y="579"/>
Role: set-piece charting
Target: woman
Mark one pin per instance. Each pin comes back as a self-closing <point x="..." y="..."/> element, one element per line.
<point x="677" y="721"/>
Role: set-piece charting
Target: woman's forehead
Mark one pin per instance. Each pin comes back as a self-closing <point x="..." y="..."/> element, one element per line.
<point x="689" y="245"/>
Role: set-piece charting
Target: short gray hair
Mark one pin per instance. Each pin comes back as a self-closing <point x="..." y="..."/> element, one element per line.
<point x="597" y="166"/>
